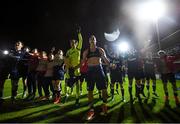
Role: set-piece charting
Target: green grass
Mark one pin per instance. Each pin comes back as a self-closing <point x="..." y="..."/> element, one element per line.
<point x="151" y="110"/>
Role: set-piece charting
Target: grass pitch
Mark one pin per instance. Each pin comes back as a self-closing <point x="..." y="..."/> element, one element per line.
<point x="151" y="110"/>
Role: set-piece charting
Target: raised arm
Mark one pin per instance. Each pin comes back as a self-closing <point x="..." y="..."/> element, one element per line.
<point x="80" y="39"/>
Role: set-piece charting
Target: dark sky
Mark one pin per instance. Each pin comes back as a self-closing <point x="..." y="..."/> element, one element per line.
<point x="47" y="23"/>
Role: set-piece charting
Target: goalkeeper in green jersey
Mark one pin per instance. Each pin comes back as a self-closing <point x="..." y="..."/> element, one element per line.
<point x="73" y="65"/>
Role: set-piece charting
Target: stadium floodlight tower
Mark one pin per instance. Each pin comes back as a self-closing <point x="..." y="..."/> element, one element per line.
<point x="152" y="10"/>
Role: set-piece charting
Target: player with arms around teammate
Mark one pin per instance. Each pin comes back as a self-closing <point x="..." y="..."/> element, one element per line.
<point x="16" y="57"/>
<point x="149" y="71"/>
<point x="41" y="70"/>
<point x="95" y="74"/>
<point x="58" y="75"/>
<point x="116" y="74"/>
<point x="167" y="68"/>
<point x="31" y="78"/>
<point x="135" y="70"/>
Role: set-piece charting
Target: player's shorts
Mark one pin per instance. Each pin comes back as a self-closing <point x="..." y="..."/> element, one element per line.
<point x="40" y="75"/>
<point x="14" y="74"/>
<point x="150" y="75"/>
<point x="95" y="75"/>
<point x="23" y="71"/>
<point x="72" y="80"/>
<point x="168" y="77"/>
<point x="138" y="75"/>
<point x="141" y="74"/>
<point x="58" y="73"/>
<point x="116" y="76"/>
<point x="123" y="74"/>
<point x="83" y="76"/>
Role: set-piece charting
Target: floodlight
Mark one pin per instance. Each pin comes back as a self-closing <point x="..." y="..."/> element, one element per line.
<point x="5" y="52"/>
<point x="123" y="47"/>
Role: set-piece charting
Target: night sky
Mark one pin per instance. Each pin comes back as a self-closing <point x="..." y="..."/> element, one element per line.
<point x="46" y="23"/>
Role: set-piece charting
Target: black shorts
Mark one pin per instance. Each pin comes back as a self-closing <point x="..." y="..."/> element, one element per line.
<point x="96" y="75"/>
<point x="123" y="74"/>
<point x="58" y="73"/>
<point x="23" y="71"/>
<point x="14" y="74"/>
<point x="71" y="72"/>
<point x="83" y="76"/>
<point x="138" y="75"/>
<point x="150" y="75"/>
<point x="116" y="76"/>
<point x="72" y="80"/>
<point x="168" y="77"/>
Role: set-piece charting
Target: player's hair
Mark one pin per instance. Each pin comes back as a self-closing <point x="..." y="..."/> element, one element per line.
<point x="92" y="36"/>
<point x="19" y="42"/>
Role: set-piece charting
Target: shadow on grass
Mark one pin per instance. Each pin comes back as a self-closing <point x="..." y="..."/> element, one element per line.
<point x="21" y="117"/>
<point x="59" y="110"/>
<point x="69" y="113"/>
<point x="168" y="114"/>
<point x="165" y="115"/>
<point x="20" y="104"/>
